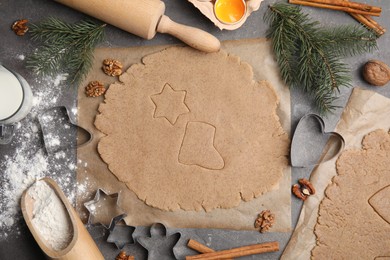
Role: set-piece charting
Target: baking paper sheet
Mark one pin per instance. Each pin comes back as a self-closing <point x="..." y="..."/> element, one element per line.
<point x="93" y="172"/>
<point x="366" y="111"/>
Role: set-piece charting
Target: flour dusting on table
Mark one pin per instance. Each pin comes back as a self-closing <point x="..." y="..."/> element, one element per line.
<point x="26" y="159"/>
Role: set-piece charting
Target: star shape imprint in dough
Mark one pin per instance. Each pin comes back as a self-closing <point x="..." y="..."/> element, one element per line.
<point x="170" y="103"/>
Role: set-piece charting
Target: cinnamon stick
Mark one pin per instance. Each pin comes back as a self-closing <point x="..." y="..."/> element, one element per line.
<point x="369" y="22"/>
<point x="238" y="252"/>
<point x="332" y="7"/>
<point x="195" y="245"/>
<point x="354" y="5"/>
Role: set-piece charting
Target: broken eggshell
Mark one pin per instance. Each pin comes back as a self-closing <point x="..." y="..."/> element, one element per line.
<point x="207" y="8"/>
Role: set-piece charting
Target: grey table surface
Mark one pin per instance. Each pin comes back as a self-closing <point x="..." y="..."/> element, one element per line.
<point x="22" y="246"/>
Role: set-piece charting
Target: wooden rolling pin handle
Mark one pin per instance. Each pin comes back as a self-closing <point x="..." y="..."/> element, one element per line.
<point x="194" y="37"/>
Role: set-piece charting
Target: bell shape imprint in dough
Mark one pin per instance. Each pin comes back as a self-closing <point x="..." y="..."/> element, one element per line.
<point x="380" y="202"/>
<point x="198" y="147"/>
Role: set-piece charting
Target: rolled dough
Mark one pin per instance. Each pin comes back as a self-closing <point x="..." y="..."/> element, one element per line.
<point x="192" y="131"/>
<point x="354" y="217"/>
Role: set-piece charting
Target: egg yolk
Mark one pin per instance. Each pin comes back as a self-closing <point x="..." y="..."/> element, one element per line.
<point x="229" y="11"/>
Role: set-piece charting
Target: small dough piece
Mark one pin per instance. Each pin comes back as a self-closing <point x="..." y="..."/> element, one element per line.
<point x="352" y="222"/>
<point x="181" y="97"/>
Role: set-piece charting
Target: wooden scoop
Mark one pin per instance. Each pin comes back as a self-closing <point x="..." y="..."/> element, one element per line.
<point x="82" y="246"/>
<point x="144" y="18"/>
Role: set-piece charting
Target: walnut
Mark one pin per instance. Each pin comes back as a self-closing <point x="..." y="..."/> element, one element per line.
<point x="20" y="27"/>
<point x="112" y="67"/>
<point x="122" y="256"/>
<point x="376" y="73"/>
<point x="265" y="220"/>
<point x="95" y="89"/>
<point x="303" y="190"/>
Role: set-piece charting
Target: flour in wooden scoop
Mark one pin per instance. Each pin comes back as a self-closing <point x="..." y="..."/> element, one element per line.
<point x="50" y="218"/>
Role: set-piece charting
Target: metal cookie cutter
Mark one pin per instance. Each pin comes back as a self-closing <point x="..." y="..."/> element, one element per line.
<point x="306" y="141"/>
<point x="59" y="130"/>
<point x="103" y="208"/>
<point x="159" y="245"/>
<point x="121" y="234"/>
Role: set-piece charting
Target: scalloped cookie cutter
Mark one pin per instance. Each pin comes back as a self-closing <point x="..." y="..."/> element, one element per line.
<point x="305" y="143"/>
<point x="59" y="130"/>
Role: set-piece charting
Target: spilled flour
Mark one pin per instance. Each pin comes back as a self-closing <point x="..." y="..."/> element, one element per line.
<point x="50" y="217"/>
<point x="25" y="160"/>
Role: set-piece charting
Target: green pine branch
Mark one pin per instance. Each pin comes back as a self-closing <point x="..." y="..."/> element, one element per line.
<point x="66" y="48"/>
<point x="309" y="57"/>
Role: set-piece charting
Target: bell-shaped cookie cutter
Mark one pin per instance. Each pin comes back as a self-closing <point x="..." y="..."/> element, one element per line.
<point x="296" y="147"/>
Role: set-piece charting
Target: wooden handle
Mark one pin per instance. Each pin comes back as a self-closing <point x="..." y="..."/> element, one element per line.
<point x="139" y="17"/>
<point x="194" y="37"/>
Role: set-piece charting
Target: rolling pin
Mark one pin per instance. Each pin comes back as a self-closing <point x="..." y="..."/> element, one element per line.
<point x="144" y="18"/>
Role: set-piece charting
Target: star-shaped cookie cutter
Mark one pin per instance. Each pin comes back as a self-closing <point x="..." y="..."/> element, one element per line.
<point x="120" y="234"/>
<point x="103" y="209"/>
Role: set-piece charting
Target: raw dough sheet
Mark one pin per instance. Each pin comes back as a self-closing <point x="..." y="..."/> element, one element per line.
<point x="93" y="172"/>
<point x="365" y="112"/>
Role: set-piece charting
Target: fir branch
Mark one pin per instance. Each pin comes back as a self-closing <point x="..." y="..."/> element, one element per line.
<point x="309" y="57"/>
<point x="66" y="47"/>
<point x="347" y="40"/>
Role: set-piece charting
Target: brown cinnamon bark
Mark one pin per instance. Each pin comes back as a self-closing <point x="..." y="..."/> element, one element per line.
<point x="195" y="245"/>
<point x="369" y="23"/>
<point x="238" y="252"/>
<point x="354" y="5"/>
<point x="332" y="7"/>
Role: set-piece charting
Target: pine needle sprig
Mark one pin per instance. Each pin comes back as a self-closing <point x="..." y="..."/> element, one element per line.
<point x="67" y="48"/>
<point x="309" y="57"/>
<point x="347" y="40"/>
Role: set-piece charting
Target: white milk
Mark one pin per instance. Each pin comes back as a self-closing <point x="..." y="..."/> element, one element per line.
<point x="11" y="94"/>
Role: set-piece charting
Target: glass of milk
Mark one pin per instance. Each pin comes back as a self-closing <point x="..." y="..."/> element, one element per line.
<point x="15" y="102"/>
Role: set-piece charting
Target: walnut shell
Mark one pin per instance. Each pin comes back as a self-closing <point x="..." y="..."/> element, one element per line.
<point x="376" y="73"/>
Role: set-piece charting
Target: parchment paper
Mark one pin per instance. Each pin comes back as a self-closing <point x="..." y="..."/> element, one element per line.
<point x="366" y="111"/>
<point x="93" y="172"/>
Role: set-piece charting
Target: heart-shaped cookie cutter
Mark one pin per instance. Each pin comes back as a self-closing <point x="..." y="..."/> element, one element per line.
<point x="298" y="156"/>
<point x="59" y="130"/>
